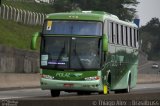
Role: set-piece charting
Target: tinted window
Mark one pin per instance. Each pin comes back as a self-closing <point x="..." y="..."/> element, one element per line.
<point x="73" y="28"/>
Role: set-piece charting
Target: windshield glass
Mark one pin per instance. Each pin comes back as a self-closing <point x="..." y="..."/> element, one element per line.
<point x="84" y="53"/>
<point x="70" y="53"/>
<point x="73" y="28"/>
<point x="55" y="52"/>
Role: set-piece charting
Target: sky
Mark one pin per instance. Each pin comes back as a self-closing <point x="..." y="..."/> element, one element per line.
<point x="148" y="9"/>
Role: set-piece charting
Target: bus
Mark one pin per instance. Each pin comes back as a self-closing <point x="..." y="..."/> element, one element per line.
<point x="87" y="51"/>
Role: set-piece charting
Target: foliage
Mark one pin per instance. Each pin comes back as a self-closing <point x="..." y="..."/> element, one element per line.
<point x="117" y="7"/>
<point x="150" y="35"/>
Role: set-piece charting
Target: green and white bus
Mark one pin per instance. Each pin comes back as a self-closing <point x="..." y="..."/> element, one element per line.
<point x="88" y="51"/>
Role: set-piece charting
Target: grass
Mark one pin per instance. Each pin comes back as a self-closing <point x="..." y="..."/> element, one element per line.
<point x="18" y="35"/>
<point x="15" y="34"/>
<point x="31" y="6"/>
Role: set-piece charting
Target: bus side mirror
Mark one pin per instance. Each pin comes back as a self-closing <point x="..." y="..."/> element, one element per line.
<point x="105" y="43"/>
<point x="34" y="40"/>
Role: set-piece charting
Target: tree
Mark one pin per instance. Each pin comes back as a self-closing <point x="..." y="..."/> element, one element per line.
<point x="65" y="5"/>
<point x="150" y="34"/>
<point x="121" y="8"/>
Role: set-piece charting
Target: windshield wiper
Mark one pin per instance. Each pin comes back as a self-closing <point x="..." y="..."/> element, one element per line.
<point x="79" y="60"/>
<point x="60" y="55"/>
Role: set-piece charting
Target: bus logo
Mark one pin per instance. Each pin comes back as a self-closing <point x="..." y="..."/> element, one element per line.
<point x="67" y="75"/>
<point x="63" y="75"/>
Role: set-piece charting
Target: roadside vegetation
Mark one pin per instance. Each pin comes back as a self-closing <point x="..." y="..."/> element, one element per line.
<point x="150" y="36"/>
<point x="15" y="34"/>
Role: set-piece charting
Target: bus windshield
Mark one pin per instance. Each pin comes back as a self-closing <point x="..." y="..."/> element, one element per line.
<point x="91" y="28"/>
<point x="70" y="53"/>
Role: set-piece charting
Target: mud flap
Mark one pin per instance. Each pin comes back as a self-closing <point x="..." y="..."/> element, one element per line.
<point x="105" y="89"/>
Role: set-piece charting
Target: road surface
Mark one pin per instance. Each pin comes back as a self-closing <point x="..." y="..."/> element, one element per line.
<point x="147" y="93"/>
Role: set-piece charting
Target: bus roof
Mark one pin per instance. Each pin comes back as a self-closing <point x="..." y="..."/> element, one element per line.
<point x="88" y="15"/>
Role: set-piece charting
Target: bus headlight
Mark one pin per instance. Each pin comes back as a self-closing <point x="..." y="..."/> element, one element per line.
<point x="92" y="78"/>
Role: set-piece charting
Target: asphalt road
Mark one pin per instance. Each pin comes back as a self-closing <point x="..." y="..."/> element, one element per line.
<point x="147" y="68"/>
<point x="38" y="93"/>
<point x="147" y="93"/>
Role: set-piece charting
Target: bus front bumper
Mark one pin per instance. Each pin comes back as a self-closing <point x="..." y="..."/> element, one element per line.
<point x="63" y="85"/>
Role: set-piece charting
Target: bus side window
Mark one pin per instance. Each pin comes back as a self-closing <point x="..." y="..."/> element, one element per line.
<point x="137" y="35"/>
<point x="126" y="33"/>
<point x="117" y="33"/>
<point x="122" y="36"/>
<point x="134" y="37"/>
<point x="130" y="30"/>
<point x="112" y="32"/>
<point x="128" y="36"/>
<point x="133" y="43"/>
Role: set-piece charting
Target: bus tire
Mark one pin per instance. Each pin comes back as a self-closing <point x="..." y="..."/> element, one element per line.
<point x="83" y="93"/>
<point x="109" y="82"/>
<point x="80" y="93"/>
<point x="55" y="93"/>
<point x="118" y="91"/>
<point x="101" y="93"/>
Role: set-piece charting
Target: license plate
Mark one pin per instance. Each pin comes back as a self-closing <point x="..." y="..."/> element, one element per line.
<point x="68" y="85"/>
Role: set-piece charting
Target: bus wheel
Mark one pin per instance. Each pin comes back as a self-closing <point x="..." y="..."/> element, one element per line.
<point x="101" y="93"/>
<point x="55" y="93"/>
<point x="80" y="93"/>
<point x="83" y="93"/>
<point x="118" y="91"/>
